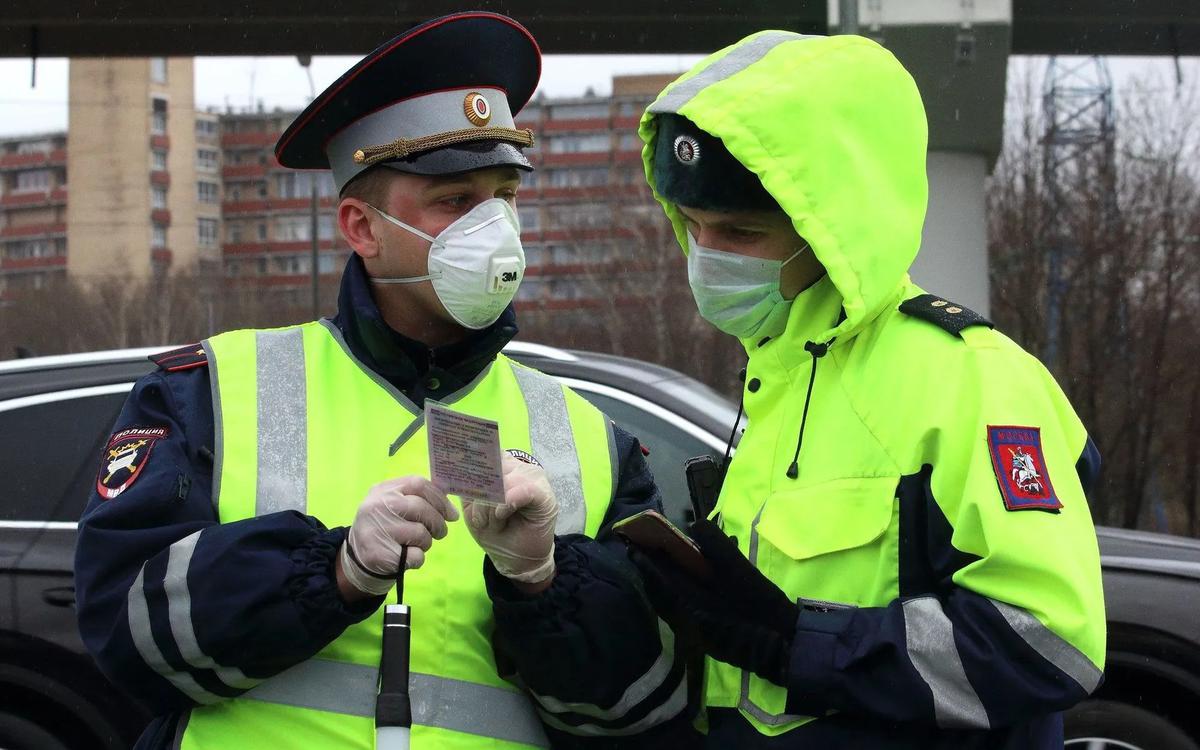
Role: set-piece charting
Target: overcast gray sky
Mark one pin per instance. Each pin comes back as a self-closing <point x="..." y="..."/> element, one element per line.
<point x="280" y="81"/>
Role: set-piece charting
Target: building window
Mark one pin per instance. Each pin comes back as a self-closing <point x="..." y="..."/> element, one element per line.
<point x="534" y="254"/>
<point x="573" y="144"/>
<point x="293" y="228"/>
<point x="588" y="177"/>
<point x="291" y="264"/>
<point x="232" y="268"/>
<point x="158" y="197"/>
<point x="234" y="232"/>
<point x="299" y="184"/>
<point x="629" y="142"/>
<point x="158" y="69"/>
<point x="327" y="263"/>
<point x="35" y="147"/>
<point x="529" y="218"/>
<point x="206" y="232"/>
<point x="158" y="236"/>
<point x="206" y="158"/>
<point x="158" y="160"/>
<point x="589" y="111"/>
<point x="158" y="116"/>
<point x="325" y="227"/>
<point x="206" y="192"/>
<point x="262" y="234"/>
<point x="630" y="109"/>
<point x="33" y="180"/>
<point x="206" y="128"/>
<point x="579" y="216"/>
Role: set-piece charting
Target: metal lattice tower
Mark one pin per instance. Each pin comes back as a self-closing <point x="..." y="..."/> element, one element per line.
<point x="1078" y="150"/>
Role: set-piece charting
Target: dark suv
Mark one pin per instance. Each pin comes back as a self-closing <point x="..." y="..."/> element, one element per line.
<point x="55" y="414"/>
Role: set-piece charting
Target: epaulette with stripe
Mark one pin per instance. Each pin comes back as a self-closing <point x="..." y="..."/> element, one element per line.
<point x="183" y="358"/>
<point x="948" y="316"/>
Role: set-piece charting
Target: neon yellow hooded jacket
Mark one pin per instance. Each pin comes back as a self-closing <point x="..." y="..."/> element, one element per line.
<point x="934" y="524"/>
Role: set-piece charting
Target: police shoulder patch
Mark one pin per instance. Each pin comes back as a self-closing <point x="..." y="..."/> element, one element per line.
<point x="1020" y="468"/>
<point x="127" y="453"/>
<point x="183" y="358"/>
<point x="944" y="314"/>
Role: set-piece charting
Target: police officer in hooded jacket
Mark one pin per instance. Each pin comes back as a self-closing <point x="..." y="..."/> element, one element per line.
<point x="902" y="550"/>
<point x="263" y="489"/>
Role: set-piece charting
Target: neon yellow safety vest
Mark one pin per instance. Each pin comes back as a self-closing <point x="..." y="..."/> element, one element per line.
<point x="835" y="130"/>
<point x="302" y="425"/>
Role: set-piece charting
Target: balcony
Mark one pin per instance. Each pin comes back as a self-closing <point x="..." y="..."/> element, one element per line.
<point x="25" y="264"/>
<point x="591" y="124"/>
<point x="290" y="246"/>
<point x="162" y="142"/>
<point x="578" y="158"/>
<point x="161" y="256"/>
<point x="267" y="205"/>
<point x="231" y="140"/>
<point x="160" y="178"/>
<point x="36" y="199"/>
<point x="55" y="158"/>
<point x="34" y="231"/>
<point x="243" y="171"/>
<point x="161" y="216"/>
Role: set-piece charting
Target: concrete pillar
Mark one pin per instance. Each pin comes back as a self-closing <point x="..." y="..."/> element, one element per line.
<point x="953" y="257"/>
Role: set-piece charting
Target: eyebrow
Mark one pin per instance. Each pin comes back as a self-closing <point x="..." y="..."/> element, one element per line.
<point x="463" y="180"/>
<point x="737" y="221"/>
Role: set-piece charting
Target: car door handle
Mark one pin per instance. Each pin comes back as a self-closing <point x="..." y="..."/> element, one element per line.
<point x="60" y="596"/>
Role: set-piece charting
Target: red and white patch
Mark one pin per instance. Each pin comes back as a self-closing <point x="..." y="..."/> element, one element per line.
<point x="1020" y="468"/>
<point x="126" y="454"/>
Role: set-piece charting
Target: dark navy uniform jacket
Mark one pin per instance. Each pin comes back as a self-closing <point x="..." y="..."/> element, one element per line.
<point x="262" y="590"/>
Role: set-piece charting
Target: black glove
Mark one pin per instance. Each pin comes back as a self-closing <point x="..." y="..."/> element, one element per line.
<point x="738" y="616"/>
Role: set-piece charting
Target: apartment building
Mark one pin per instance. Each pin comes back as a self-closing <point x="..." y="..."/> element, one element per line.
<point x="138" y="198"/>
<point x="156" y="184"/>
<point x="33" y="206"/>
<point x="268" y="211"/>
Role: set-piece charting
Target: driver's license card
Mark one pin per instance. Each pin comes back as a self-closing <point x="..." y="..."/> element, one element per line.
<point x="464" y="454"/>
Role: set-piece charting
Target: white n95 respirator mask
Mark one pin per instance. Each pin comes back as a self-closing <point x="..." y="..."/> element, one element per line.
<point x="475" y="264"/>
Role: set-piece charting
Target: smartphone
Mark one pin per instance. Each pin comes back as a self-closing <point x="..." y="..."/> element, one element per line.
<point x="652" y="532"/>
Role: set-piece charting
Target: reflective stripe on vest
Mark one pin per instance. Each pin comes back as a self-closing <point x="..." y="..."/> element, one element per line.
<point x="343" y="688"/>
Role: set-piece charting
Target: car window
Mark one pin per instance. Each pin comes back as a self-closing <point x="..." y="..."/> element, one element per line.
<point x="669" y="447"/>
<point x="49" y="454"/>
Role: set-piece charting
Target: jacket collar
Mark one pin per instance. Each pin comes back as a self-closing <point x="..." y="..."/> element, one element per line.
<point x="406" y="363"/>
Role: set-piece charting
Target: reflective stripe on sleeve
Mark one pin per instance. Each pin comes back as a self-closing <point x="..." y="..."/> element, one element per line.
<point x="1068" y="659"/>
<point x="638" y="691"/>
<point x="929" y="635"/>
<point x="179" y="608"/>
<point x="143" y="639"/>
<point x="667" y="711"/>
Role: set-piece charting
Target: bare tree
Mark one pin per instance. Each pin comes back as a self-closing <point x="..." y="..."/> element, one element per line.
<point x="1130" y="302"/>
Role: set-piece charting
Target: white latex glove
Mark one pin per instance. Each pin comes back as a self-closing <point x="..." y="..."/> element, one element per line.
<point x="409" y="511"/>
<point x="519" y="535"/>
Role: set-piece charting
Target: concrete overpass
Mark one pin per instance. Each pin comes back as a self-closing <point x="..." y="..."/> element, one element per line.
<point x="956" y="49"/>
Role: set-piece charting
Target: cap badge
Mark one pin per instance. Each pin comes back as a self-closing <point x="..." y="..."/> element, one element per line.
<point x="687" y="150"/>
<point x="477" y="109"/>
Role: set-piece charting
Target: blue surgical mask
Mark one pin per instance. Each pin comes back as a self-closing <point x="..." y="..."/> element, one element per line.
<point x="738" y="294"/>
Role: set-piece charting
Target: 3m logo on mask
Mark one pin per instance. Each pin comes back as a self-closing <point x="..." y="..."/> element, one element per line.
<point x="505" y="274"/>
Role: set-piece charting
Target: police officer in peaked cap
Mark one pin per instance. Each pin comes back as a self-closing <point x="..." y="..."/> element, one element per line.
<point x="232" y="568"/>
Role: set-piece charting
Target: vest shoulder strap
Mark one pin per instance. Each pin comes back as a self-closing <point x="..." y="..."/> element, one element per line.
<point x="949" y="316"/>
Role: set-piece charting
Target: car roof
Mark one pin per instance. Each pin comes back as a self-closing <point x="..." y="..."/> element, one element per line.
<point x="668" y="388"/>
